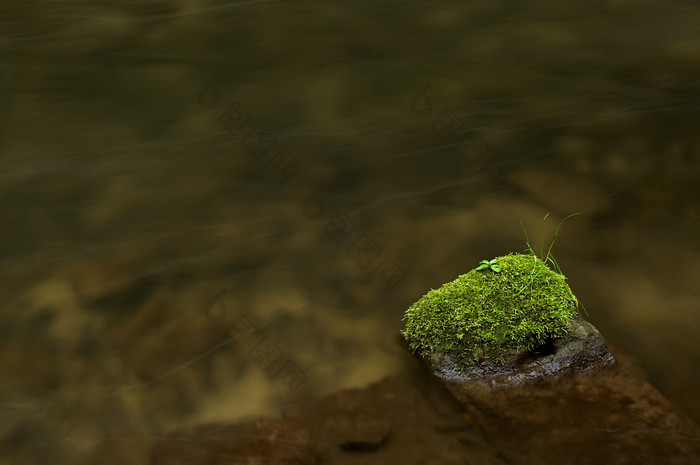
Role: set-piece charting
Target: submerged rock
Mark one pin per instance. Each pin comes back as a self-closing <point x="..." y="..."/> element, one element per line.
<point x="609" y="415"/>
<point x="569" y="401"/>
<point x="263" y="441"/>
<point x="395" y="421"/>
<point x="606" y="416"/>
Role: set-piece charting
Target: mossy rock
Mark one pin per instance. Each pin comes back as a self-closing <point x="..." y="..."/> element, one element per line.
<point x="487" y="316"/>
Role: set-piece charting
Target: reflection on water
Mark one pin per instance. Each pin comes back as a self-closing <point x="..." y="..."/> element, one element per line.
<point x="213" y="210"/>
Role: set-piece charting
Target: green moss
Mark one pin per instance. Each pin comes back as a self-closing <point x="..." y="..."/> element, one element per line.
<point x="487" y="314"/>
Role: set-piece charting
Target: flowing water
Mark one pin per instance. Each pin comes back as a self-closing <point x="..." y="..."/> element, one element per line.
<point x="212" y="210"/>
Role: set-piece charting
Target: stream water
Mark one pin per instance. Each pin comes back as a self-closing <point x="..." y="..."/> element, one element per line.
<point x="212" y="210"/>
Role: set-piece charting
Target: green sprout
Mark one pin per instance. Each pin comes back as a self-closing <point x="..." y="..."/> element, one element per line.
<point x="491" y="316"/>
<point x="549" y="257"/>
<point x="486" y="264"/>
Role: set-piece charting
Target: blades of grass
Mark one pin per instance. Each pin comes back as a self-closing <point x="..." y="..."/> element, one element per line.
<point x="556" y="233"/>
<point x="542" y="236"/>
<point x="556" y="265"/>
<point x="527" y="239"/>
<point x="583" y="307"/>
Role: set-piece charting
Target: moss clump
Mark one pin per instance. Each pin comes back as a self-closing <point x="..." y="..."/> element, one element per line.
<point x="487" y="314"/>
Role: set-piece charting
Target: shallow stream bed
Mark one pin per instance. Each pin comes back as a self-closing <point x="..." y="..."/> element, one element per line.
<point x="213" y="210"/>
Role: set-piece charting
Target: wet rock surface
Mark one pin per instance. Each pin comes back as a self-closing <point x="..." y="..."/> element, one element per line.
<point x="570" y="401"/>
<point x="609" y="415"/>
<point x="582" y="348"/>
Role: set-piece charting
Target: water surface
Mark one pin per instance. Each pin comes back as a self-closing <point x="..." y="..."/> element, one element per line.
<point x="213" y="210"/>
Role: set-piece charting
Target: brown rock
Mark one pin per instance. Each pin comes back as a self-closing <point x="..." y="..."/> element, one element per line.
<point x="350" y="419"/>
<point x="610" y="415"/>
<point x="392" y="421"/>
<point x="258" y="442"/>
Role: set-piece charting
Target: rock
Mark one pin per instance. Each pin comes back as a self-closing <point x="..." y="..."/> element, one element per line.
<point x="257" y="442"/>
<point x="350" y="420"/>
<point x="582" y="348"/>
<point x="505" y="306"/>
<point x="587" y="411"/>
<point x="568" y="401"/>
<point x="360" y="435"/>
<point x="392" y="421"/>
<point x="610" y="415"/>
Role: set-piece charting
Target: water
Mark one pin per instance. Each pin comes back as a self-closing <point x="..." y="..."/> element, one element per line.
<point x="213" y="210"/>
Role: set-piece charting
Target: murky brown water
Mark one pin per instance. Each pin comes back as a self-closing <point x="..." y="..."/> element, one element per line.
<point x="213" y="210"/>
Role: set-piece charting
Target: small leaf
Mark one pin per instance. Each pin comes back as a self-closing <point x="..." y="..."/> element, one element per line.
<point x="496" y="268"/>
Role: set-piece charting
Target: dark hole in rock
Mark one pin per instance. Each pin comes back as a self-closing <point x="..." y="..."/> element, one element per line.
<point x="546" y="348"/>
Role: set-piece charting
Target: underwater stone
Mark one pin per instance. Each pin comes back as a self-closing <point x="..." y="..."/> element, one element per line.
<point x="569" y="401"/>
<point x="609" y="416"/>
